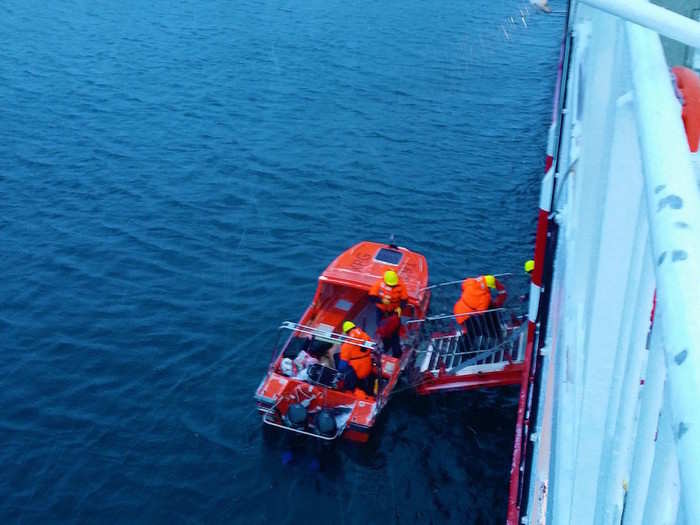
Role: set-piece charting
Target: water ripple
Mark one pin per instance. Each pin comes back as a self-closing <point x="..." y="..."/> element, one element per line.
<point x="173" y="179"/>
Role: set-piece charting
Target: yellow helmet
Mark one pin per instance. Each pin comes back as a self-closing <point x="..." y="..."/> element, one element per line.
<point x="490" y="281"/>
<point x="347" y="326"/>
<point x="529" y="266"/>
<point x="391" y="278"/>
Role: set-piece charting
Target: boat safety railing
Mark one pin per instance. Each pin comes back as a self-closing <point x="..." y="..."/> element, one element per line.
<point x="443" y="317"/>
<point x="326" y="335"/>
<point x="459" y="281"/>
<point x="612" y="433"/>
<point x="267" y="418"/>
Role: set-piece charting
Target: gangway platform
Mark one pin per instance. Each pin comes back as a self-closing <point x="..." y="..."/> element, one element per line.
<point x="488" y="351"/>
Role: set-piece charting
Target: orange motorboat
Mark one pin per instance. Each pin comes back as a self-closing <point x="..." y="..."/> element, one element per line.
<point x="303" y="391"/>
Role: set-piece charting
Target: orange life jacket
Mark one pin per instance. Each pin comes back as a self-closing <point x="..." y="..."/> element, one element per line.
<point x="390" y="297"/>
<point x="475" y="297"/>
<point x="357" y="357"/>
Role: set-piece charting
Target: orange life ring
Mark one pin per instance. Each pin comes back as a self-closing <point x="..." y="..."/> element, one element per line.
<point x="688" y="84"/>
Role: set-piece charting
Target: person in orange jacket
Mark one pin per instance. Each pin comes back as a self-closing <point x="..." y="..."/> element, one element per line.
<point x="476" y="297"/>
<point x="355" y="360"/>
<point x="391" y="297"/>
<point x="389" y="293"/>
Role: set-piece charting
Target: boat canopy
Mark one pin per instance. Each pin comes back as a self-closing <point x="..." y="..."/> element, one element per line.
<point x="364" y="263"/>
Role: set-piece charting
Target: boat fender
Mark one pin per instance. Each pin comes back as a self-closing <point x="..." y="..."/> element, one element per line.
<point x="296" y="415"/>
<point x="325" y="423"/>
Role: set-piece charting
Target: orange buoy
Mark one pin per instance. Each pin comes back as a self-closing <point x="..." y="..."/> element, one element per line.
<point x="688" y="84"/>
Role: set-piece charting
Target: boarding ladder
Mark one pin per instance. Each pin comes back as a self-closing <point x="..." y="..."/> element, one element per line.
<point x="489" y="351"/>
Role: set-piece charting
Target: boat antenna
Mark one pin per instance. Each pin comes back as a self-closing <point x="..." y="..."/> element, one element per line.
<point x="392" y="242"/>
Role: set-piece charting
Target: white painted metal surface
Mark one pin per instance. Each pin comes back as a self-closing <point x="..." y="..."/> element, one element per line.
<point x="673" y="205"/>
<point x="611" y="447"/>
<point x="652" y="16"/>
<point x="651" y="399"/>
<point x="661" y="507"/>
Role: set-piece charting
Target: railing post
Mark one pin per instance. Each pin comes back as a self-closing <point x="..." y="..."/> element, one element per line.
<point x="621" y="428"/>
<point x="664" y="490"/>
<point x="649" y="409"/>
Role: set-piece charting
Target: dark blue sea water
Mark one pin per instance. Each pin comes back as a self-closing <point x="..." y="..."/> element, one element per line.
<point x="173" y="178"/>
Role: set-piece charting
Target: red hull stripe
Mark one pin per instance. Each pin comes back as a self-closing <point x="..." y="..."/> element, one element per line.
<point x="510" y="375"/>
<point x="527" y="379"/>
<point x="540" y="245"/>
<point x="520" y="430"/>
<point x="548" y="163"/>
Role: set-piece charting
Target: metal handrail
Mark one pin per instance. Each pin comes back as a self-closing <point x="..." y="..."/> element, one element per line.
<point x="448" y="283"/>
<point x="655" y="17"/>
<point x="452" y="316"/>
<point x="332" y="337"/>
<point x="303" y="432"/>
<point x="497" y="348"/>
<point x="673" y="210"/>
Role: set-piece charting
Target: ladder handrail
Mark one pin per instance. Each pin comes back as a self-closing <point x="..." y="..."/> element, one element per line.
<point x="452" y="316"/>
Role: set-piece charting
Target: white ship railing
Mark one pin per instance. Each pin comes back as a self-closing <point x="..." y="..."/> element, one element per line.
<point x="617" y="434"/>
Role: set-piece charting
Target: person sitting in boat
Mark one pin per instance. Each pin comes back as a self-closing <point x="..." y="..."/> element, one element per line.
<point x="476" y="298"/>
<point x="355" y="361"/>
